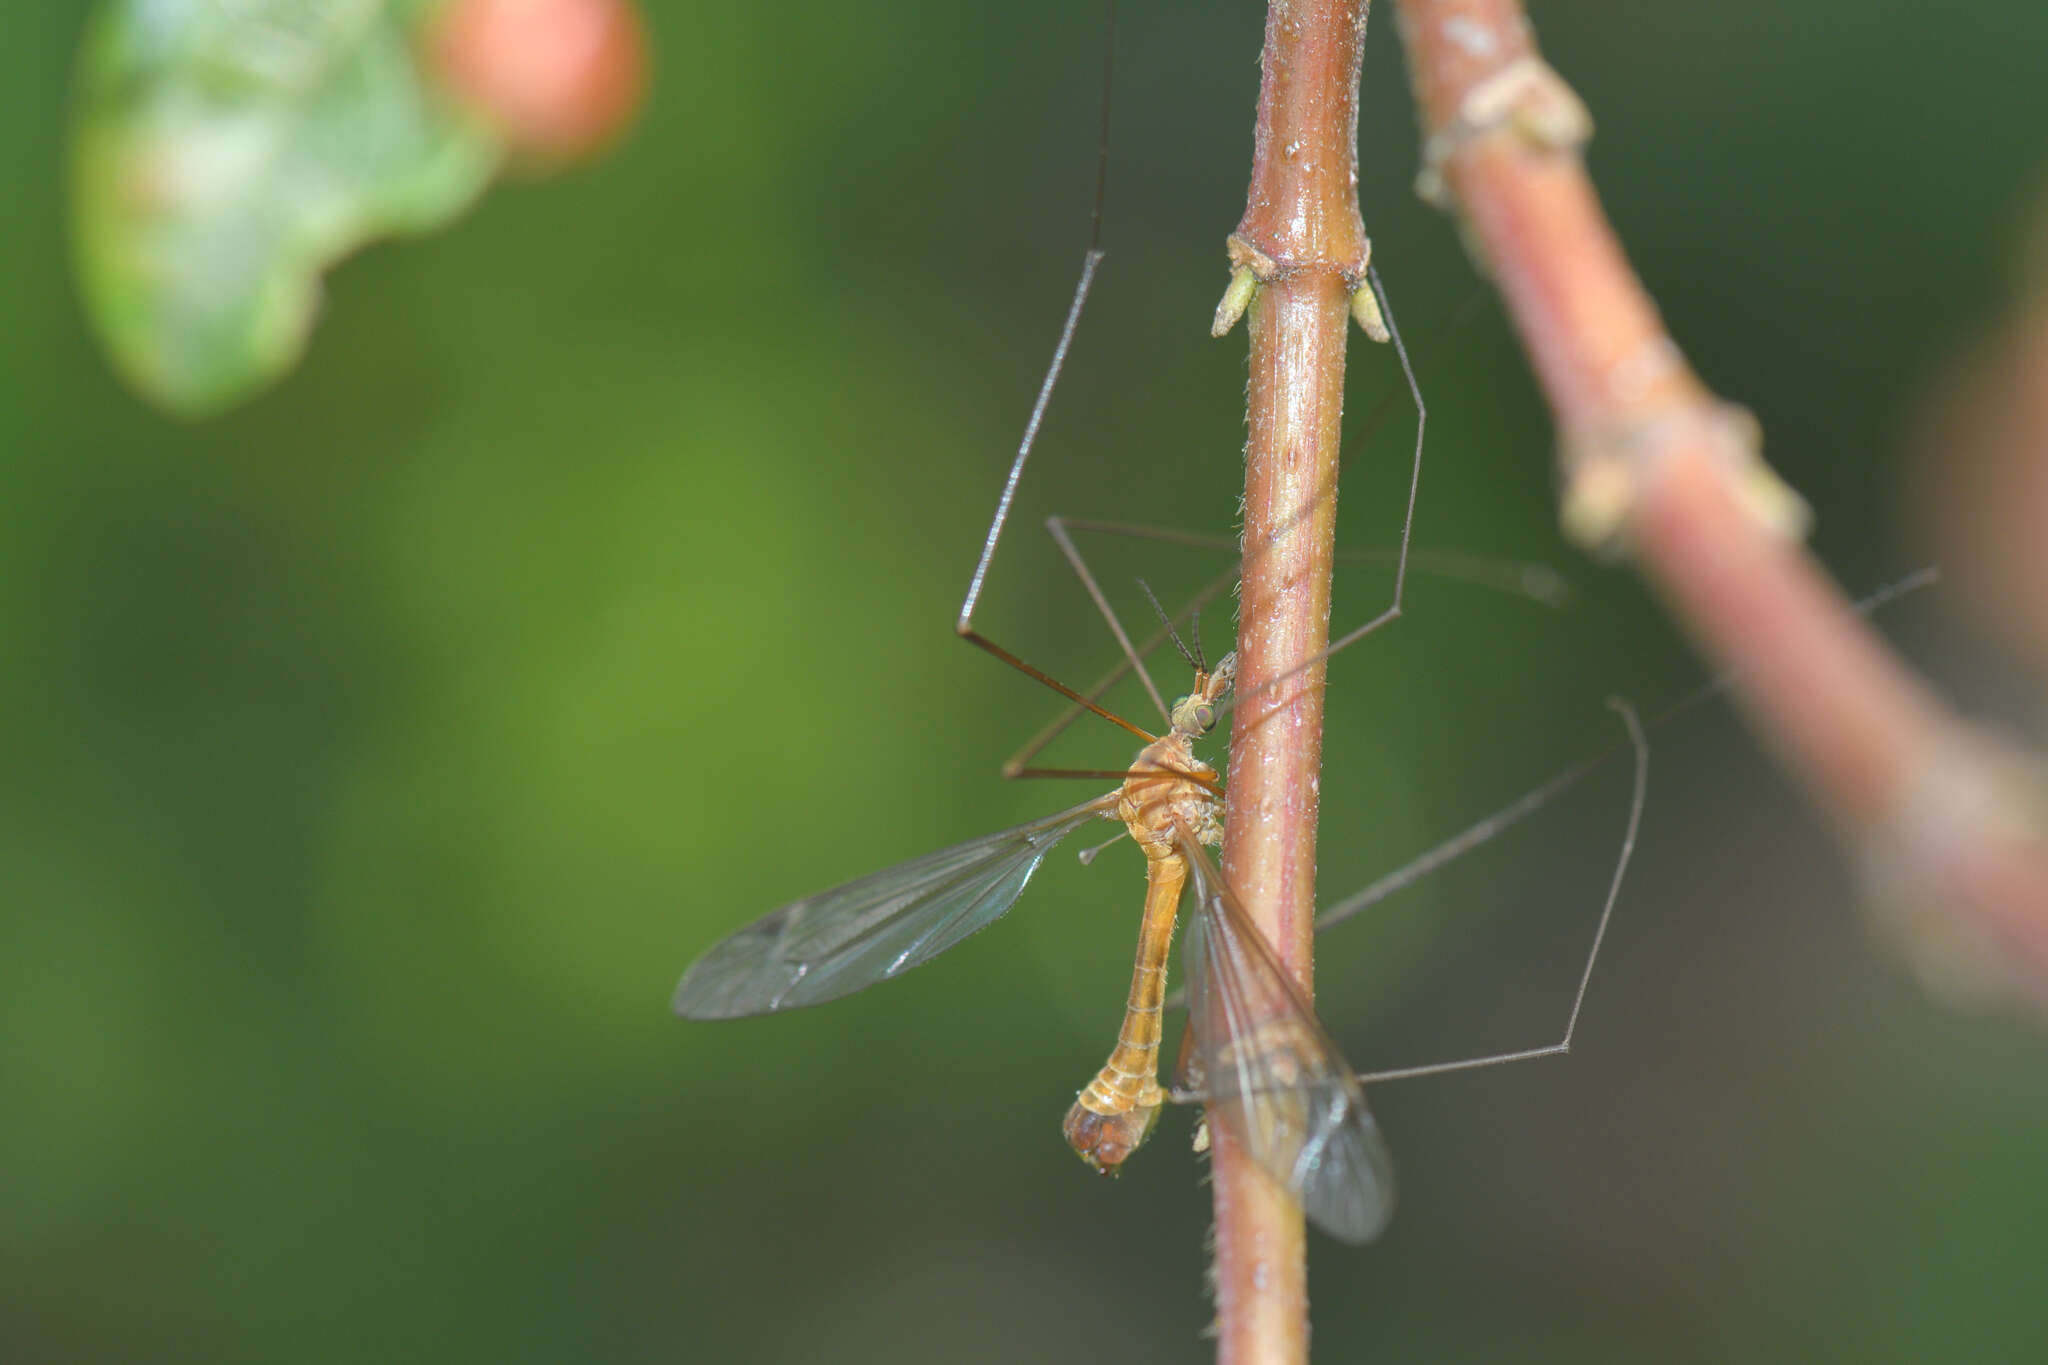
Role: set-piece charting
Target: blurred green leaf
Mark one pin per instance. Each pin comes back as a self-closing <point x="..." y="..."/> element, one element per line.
<point x="225" y="155"/>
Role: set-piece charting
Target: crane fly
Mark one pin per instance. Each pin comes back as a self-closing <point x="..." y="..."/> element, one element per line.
<point x="1274" y="1076"/>
<point x="1253" y="1050"/>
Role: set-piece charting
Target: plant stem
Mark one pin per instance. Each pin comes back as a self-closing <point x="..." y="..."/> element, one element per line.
<point x="1948" y="823"/>
<point x="1302" y="243"/>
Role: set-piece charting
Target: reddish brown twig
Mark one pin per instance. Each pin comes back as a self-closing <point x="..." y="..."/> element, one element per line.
<point x="1948" y="823"/>
<point x="1299" y="257"/>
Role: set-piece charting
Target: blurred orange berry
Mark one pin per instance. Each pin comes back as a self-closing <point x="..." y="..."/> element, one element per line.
<point x="559" y="78"/>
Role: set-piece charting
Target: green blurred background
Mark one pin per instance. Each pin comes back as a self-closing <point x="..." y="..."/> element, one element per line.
<point x="376" y="756"/>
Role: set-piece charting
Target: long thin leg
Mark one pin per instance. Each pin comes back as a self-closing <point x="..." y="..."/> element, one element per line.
<point x="1636" y="739"/>
<point x="1537" y="582"/>
<point x="1057" y="530"/>
<point x="964" y="625"/>
<point x="1563" y="1045"/>
<point x="1216" y="587"/>
<point x="1465" y="840"/>
<point x="1392" y="612"/>
<point x="1483" y="830"/>
<point x="1214" y="784"/>
<point x="1056" y="526"/>
<point x="1431" y="347"/>
<point x="1526" y="578"/>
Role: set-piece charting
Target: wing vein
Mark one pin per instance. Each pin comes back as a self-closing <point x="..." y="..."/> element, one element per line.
<point x="873" y="928"/>
<point x="1275" y="1080"/>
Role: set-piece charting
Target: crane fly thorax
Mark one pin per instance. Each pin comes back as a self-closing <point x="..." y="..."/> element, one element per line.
<point x="1168" y="785"/>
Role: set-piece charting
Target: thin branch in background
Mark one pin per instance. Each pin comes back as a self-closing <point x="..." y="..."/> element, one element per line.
<point x="1946" y="822"/>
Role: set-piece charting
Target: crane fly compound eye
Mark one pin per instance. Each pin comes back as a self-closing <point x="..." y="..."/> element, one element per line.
<point x="1205" y="716"/>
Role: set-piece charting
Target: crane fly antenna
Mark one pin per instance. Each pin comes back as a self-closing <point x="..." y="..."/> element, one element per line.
<point x="1192" y="656"/>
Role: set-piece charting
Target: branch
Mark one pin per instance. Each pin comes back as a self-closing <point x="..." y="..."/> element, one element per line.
<point x="1947" y="823"/>
<point x="1299" y="257"/>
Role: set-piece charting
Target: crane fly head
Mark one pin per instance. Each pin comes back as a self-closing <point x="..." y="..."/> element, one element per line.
<point x="1196" y="714"/>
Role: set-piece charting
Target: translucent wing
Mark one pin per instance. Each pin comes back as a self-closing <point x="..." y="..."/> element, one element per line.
<point x="848" y="938"/>
<point x="1273" y="1077"/>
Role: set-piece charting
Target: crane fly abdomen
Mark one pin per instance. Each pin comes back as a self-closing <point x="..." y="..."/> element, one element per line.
<point x="1115" y="1111"/>
<point x="1106" y="1141"/>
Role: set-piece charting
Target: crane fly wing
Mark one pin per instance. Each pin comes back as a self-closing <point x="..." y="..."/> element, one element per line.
<point x="869" y="930"/>
<point x="1272" y="1076"/>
